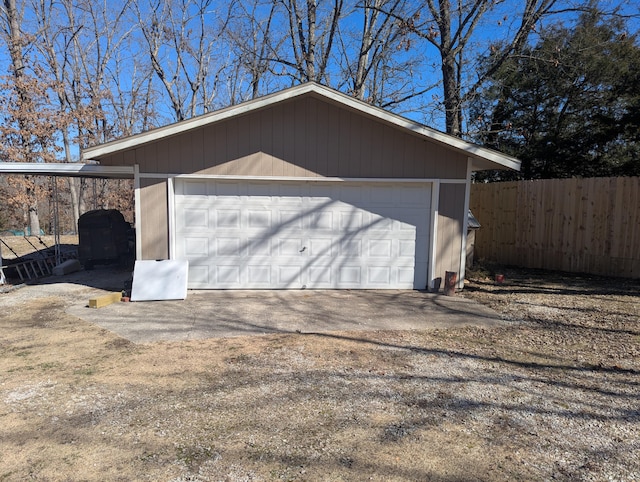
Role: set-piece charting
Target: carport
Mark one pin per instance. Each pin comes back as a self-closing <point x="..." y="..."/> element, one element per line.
<point x="54" y="170"/>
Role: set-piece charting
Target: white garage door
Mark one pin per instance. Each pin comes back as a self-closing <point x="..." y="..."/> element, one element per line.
<point x="281" y="234"/>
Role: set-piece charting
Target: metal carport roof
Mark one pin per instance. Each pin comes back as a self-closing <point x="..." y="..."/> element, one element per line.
<point x="67" y="170"/>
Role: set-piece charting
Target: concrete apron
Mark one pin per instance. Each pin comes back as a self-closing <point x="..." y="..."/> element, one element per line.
<point x="213" y="313"/>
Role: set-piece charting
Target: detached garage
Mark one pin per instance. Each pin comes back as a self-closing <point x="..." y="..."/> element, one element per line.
<point x="305" y="188"/>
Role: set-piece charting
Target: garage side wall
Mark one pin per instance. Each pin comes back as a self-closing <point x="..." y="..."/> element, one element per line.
<point x="451" y="214"/>
<point x="304" y="137"/>
<point x="154" y="225"/>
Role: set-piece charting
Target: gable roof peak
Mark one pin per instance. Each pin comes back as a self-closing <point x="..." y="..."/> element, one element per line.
<point x="483" y="158"/>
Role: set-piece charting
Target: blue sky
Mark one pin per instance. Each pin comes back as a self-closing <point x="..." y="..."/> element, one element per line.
<point x="416" y="63"/>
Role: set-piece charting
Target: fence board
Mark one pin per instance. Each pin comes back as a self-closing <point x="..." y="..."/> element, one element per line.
<point x="577" y="225"/>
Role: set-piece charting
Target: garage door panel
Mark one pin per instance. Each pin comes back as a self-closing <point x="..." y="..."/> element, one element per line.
<point x="260" y="274"/>
<point x="259" y="219"/>
<point x="349" y="275"/>
<point x="196" y="247"/>
<point x="199" y="276"/>
<point x="226" y="188"/>
<point x="192" y="188"/>
<point x="319" y="247"/>
<point x="351" y="220"/>
<point x="350" y="248"/>
<point x="375" y="221"/>
<point x="379" y="248"/>
<point x="406" y="248"/>
<point x="227" y="275"/>
<point x="231" y="246"/>
<point x="259" y="247"/>
<point x="380" y="275"/>
<point x="320" y="193"/>
<point x="289" y="276"/>
<point x="320" y="276"/>
<point x="291" y="193"/>
<point x="261" y="191"/>
<point x="290" y="219"/>
<point x="406" y="275"/>
<point x="320" y="220"/>
<point x="296" y="234"/>
<point x="289" y="246"/>
<point x="353" y="195"/>
<point x="196" y="218"/>
<point x="227" y="218"/>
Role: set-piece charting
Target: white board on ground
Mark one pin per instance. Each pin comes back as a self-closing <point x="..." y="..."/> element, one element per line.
<point x="159" y="280"/>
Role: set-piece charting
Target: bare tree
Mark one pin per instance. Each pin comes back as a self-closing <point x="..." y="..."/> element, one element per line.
<point x="449" y="26"/>
<point x="49" y="36"/>
<point x="65" y="44"/>
<point x="180" y="41"/>
<point x="377" y="64"/>
<point x="103" y="31"/>
<point x="256" y="45"/>
<point x="312" y="29"/>
<point x="378" y="35"/>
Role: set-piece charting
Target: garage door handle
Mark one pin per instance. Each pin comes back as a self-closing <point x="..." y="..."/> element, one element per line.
<point x="303" y="248"/>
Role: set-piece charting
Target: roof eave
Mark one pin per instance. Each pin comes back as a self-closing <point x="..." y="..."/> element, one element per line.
<point x="67" y="170"/>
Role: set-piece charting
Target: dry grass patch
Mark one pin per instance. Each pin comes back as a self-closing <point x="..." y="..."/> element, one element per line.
<point x="554" y="396"/>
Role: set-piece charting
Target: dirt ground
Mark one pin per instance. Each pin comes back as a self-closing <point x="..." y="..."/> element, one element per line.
<point x="554" y="394"/>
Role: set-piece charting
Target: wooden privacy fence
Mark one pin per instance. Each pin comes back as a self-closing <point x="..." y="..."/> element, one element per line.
<point x="577" y="225"/>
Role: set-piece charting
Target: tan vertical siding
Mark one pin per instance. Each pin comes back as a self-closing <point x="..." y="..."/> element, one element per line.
<point x="197" y="149"/>
<point x="450" y="221"/>
<point x="288" y="139"/>
<point x="332" y="139"/>
<point x="323" y="148"/>
<point x="306" y="137"/>
<point x="309" y="117"/>
<point x="354" y="143"/>
<point x="301" y="155"/>
<point x="277" y="144"/>
<point x="266" y="140"/>
<point x="377" y="142"/>
<point x="154" y="224"/>
<point x="161" y="162"/>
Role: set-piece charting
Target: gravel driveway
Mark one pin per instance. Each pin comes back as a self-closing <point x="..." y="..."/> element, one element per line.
<point x="550" y="393"/>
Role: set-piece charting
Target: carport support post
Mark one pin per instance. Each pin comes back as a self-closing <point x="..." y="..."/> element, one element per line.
<point x="2" y="278"/>
<point x="56" y="219"/>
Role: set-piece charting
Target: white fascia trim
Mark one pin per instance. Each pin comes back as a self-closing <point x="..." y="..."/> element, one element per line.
<point x="433" y="239"/>
<point x="336" y="96"/>
<point x="300" y="179"/>
<point x="64" y="169"/>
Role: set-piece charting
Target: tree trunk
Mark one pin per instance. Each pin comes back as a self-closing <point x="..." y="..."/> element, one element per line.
<point x="451" y="96"/>
<point x="17" y="59"/>
<point x="34" y="219"/>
